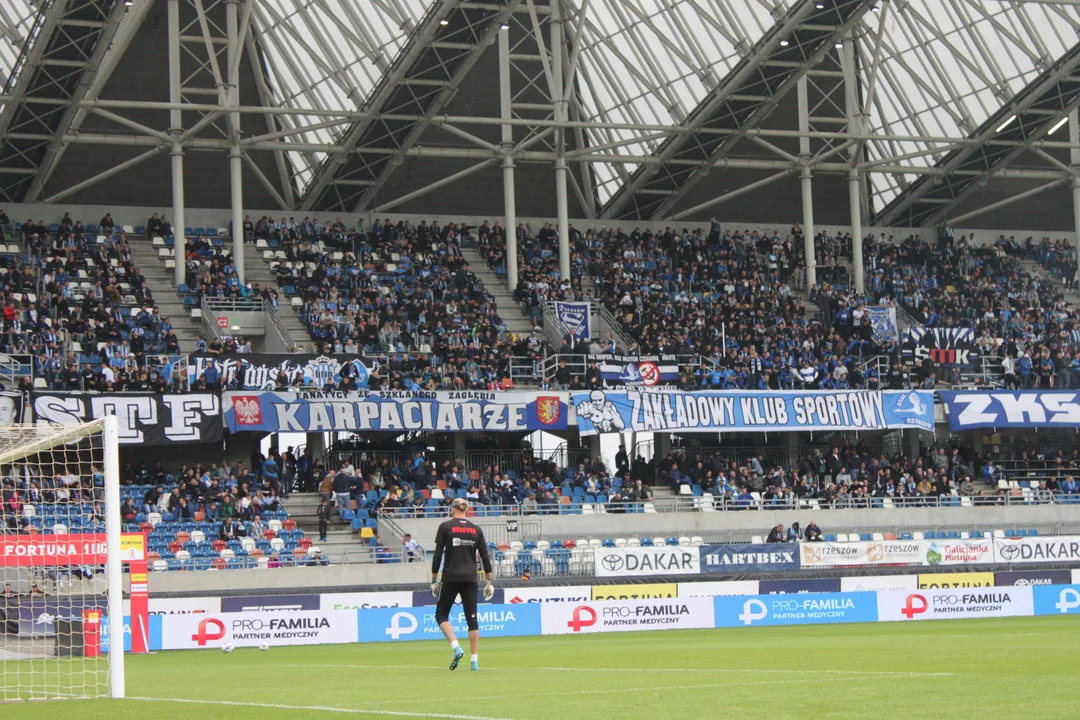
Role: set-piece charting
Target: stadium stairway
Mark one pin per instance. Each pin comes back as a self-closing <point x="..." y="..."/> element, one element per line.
<point x="509" y="308"/>
<point x="340" y="539"/>
<point x="258" y="271"/>
<point x="160" y="281"/>
<point x="1035" y="269"/>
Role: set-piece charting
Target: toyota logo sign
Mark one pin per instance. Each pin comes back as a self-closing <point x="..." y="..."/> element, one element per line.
<point x="612" y="563"/>
<point x="1009" y="552"/>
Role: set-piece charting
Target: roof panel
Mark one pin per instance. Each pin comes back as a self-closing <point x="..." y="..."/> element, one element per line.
<point x="16" y="21"/>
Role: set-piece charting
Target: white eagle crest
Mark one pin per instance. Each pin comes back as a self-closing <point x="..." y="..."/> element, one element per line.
<point x="247" y="411"/>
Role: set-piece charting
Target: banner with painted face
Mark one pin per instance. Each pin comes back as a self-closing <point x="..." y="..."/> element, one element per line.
<point x="606" y="411"/>
<point x="396" y="411"/>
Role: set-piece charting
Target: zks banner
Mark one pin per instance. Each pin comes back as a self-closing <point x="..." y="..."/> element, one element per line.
<point x="637" y="370"/>
<point x="946" y="346"/>
<point x="262" y="371"/>
<point x="144" y="418"/>
<point x="395" y="410"/>
<point x="607" y="411"/>
<point x="626" y="562"/>
<point x="1037" y="549"/>
<point x="574" y="317"/>
<point x="953" y="604"/>
<point x="748" y="558"/>
<point x="1005" y="409"/>
<point x="627" y="615"/>
<point x="398" y="624"/>
<point x="249" y="629"/>
<point x="809" y="609"/>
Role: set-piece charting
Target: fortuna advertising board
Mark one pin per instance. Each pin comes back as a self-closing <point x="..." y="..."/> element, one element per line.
<point x="249" y="629"/>
<point x="627" y="615"/>
<point x="955" y="603"/>
<point x="626" y="562"/>
<point x="1037" y="549"/>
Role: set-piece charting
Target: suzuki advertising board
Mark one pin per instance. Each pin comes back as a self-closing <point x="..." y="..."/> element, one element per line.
<point x="811" y="609"/>
<point x="1037" y="550"/>
<point x="627" y="615"/>
<point x="249" y="629"/>
<point x="955" y="603"/>
<point x="575" y="593"/>
<point x="627" y="562"/>
<point x="399" y="624"/>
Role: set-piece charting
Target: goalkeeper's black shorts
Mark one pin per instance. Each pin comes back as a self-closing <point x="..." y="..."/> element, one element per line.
<point x="449" y="592"/>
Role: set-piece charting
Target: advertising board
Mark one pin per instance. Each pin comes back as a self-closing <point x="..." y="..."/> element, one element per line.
<point x="400" y="624"/>
<point x="574" y="593"/>
<point x="810" y="609"/>
<point x="715" y="588"/>
<point x="640" y="591"/>
<point x="954" y="603"/>
<point x="249" y="629"/>
<point x="627" y="615"/>
<point x="1015" y="551"/>
<point x="627" y="562"/>
<point x="749" y="558"/>
<point x="879" y="582"/>
<point x="956" y="580"/>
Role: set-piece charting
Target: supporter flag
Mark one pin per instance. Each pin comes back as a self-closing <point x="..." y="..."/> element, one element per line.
<point x="631" y="370"/>
<point x="882" y="320"/>
<point x="574" y="318"/>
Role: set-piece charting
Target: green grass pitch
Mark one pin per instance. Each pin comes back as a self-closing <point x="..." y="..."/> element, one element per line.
<point x="968" y="669"/>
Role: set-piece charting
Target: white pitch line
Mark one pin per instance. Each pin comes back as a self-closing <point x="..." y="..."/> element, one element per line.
<point x="319" y="708"/>
<point x="880" y="673"/>
<point x="609" y="691"/>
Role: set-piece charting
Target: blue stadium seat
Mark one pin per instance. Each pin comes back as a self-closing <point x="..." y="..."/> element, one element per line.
<point x="608" y="543"/>
<point x="1033" y="532"/>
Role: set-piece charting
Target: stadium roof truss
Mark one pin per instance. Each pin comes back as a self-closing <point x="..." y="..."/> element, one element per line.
<point x="921" y="101"/>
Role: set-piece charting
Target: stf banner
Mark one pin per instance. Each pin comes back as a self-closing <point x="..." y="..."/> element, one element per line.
<point x="395" y="410"/>
<point x="1005" y="409"/>
<point x="261" y="371"/>
<point x="635" y="370"/>
<point x="882" y="322"/>
<point x="145" y="418"/>
<point x="574" y="317"/>
<point x="606" y="411"/>
<point x="945" y="346"/>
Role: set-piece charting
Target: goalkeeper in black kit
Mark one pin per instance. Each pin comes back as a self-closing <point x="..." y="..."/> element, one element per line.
<point x="460" y="541"/>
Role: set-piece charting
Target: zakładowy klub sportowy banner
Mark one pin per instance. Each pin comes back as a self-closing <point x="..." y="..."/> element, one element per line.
<point x="608" y="411"/>
<point x="394" y="410"/>
<point x="144" y="418"/>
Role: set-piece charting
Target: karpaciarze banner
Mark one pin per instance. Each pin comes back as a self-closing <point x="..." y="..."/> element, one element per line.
<point x="609" y="411"/>
<point x="637" y="370"/>
<point x="395" y="410"/>
<point x="261" y="371"/>
<point x="144" y="418"/>
<point x="945" y="346"/>
<point x="1005" y="409"/>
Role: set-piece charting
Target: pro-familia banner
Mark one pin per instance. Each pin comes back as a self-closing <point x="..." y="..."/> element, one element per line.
<point x="396" y="410"/>
<point x="607" y="411"/>
<point x="264" y="371"/>
<point x="144" y="418"/>
<point x="945" y="346"/>
<point x="250" y="629"/>
<point x="808" y="609"/>
<point x="955" y="603"/>
<point x="395" y="624"/>
<point x="574" y="317"/>
<point x="1005" y="409"/>
<point x="637" y="370"/>
<point x="627" y="615"/>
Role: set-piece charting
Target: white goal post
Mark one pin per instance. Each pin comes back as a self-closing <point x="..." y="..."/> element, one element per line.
<point x="60" y="562"/>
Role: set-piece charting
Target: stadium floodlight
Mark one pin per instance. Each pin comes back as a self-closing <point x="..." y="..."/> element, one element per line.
<point x="60" y="563"/>
<point x="1058" y="125"/>
<point x="1006" y="124"/>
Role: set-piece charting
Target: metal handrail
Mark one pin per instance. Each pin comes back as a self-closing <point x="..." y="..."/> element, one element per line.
<point x="231" y="304"/>
<point x="279" y="326"/>
<point x="209" y="321"/>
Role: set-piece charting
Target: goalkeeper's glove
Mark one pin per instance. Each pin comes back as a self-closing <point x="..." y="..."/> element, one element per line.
<point x="435" y="588"/>
<point x="489" y="591"/>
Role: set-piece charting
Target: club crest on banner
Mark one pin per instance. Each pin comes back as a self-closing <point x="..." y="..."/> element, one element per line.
<point x="548" y="410"/>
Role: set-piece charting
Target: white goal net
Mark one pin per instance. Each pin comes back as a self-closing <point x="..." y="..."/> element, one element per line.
<point x="60" y="567"/>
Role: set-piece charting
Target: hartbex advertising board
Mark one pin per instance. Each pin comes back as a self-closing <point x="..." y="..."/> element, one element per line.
<point x="954" y="603"/>
<point x="1037" y="549"/>
<point x="249" y="629"/>
<point x="399" y="624"/>
<point x="627" y="615"/>
<point x="628" y="562"/>
<point x="810" y="609"/>
<point x="749" y="558"/>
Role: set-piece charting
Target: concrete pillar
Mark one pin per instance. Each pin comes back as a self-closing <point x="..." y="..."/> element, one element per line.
<point x="236" y="162"/>
<point x="176" y="128"/>
<point x="851" y="105"/>
<point x="1074" y="160"/>
<point x="561" y="169"/>
<point x="509" y="201"/>
<point x="807" y="185"/>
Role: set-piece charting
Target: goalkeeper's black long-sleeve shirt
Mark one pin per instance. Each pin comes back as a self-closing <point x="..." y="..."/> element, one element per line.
<point x="460" y="541"/>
